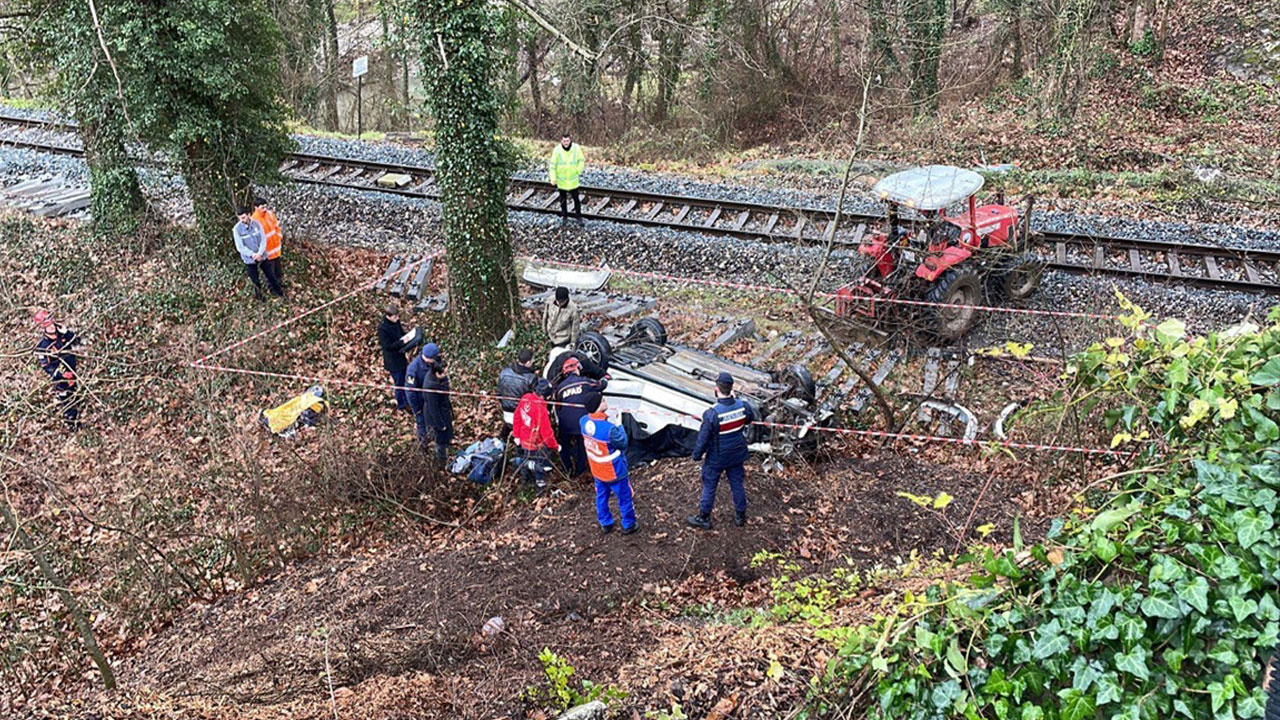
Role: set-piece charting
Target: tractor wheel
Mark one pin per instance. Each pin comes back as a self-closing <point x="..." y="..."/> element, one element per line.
<point x="596" y="347"/>
<point x="648" y="330"/>
<point x="955" y="287"/>
<point x="1015" y="278"/>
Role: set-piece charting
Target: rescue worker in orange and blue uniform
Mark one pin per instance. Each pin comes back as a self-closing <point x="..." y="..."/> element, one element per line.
<point x="606" y="442"/>
<point x="722" y="440"/>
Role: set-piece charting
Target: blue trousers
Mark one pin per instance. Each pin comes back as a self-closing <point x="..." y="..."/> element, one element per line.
<point x="711" y="481"/>
<point x="402" y="399"/>
<point x="626" y="509"/>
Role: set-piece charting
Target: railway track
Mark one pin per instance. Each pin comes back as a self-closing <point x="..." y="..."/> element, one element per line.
<point x="1176" y="263"/>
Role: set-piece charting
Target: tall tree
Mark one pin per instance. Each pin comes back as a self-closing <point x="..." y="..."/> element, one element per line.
<point x="926" y="22"/>
<point x="205" y="77"/>
<point x="72" y="39"/>
<point x="459" y="45"/>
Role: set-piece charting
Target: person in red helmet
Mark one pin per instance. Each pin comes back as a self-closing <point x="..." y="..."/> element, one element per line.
<point x="57" y="358"/>
<point x="569" y="412"/>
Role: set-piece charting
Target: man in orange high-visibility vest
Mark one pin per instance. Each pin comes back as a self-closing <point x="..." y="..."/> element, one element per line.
<point x="271" y="230"/>
<point x="606" y="442"/>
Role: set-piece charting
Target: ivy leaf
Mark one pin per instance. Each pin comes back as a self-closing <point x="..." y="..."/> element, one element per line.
<point x="1161" y="606"/>
<point x="1134" y="663"/>
<point x="1170" y="331"/>
<point x="1195" y="592"/>
<point x="1076" y="705"/>
<point x="1108" y="519"/>
<point x="1253" y="706"/>
<point x="1181" y="707"/>
<point x="1109" y="689"/>
<point x="1250" y="526"/>
<point x="1131" y="628"/>
<point x="955" y="660"/>
<point x="1241" y="608"/>
<point x="1050" y="642"/>
<point x="1264" y="428"/>
<point x="1267" y="375"/>
<point x="1032" y="712"/>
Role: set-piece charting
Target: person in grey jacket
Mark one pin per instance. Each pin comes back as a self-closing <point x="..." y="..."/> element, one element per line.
<point x="514" y="381"/>
<point x="563" y="319"/>
<point x="251" y="243"/>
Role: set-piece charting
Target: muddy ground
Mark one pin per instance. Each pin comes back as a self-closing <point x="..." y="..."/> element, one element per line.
<point x="606" y="603"/>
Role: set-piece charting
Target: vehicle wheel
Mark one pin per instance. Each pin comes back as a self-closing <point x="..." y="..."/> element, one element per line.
<point x="1016" y="278"/>
<point x="955" y="287"/>
<point x="596" y="347"/>
<point x="799" y="382"/>
<point x="649" y="330"/>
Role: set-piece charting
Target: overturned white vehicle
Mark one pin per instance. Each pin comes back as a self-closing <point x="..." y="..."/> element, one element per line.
<point x="661" y="390"/>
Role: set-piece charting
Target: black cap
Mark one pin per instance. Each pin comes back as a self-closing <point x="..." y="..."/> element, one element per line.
<point x="592" y="401"/>
<point x="562" y="294"/>
<point x="724" y="378"/>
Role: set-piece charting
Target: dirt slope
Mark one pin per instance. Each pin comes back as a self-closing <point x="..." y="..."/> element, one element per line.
<point x="613" y="605"/>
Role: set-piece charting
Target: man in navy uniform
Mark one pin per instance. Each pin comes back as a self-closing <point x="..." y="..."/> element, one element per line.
<point x="722" y="441"/>
<point x="570" y="410"/>
<point x="428" y="388"/>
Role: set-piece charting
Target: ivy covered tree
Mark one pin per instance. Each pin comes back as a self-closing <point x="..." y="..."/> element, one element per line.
<point x="205" y="74"/>
<point x="459" y="44"/>
<point x="63" y="35"/>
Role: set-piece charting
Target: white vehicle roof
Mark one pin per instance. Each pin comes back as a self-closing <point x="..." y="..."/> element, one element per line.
<point x="931" y="187"/>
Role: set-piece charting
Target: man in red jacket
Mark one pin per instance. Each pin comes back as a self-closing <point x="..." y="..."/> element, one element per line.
<point x="531" y="427"/>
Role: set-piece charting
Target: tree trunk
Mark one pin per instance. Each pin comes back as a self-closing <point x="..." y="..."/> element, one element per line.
<point x="215" y="195"/>
<point x="1015" y="37"/>
<point x="331" y="68"/>
<point x="535" y="85"/>
<point x="68" y="600"/>
<point x="671" y="44"/>
<point x="459" y="46"/>
<point x="116" y="201"/>
<point x="878" y="27"/>
<point x="927" y="28"/>
<point x="389" y="70"/>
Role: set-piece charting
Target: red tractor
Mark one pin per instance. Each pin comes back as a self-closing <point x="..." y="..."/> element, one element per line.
<point x="938" y="258"/>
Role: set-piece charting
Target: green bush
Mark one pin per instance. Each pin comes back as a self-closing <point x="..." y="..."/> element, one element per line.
<point x="559" y="693"/>
<point x="1157" y="603"/>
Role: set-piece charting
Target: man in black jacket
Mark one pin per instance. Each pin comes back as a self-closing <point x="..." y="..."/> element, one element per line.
<point x="514" y="381"/>
<point x="391" y="340"/>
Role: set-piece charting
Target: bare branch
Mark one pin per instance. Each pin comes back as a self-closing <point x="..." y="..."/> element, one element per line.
<point x="529" y="10"/>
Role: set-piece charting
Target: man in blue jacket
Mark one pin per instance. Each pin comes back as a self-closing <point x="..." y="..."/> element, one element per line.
<point x="722" y="440"/>
<point x="428" y="387"/>
<point x="606" y="443"/>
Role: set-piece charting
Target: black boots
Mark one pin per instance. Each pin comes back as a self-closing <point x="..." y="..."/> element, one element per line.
<point x="703" y="522"/>
<point x="700" y="521"/>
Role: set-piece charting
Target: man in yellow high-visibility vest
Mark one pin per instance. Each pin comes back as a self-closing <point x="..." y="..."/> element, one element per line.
<point x="563" y="171"/>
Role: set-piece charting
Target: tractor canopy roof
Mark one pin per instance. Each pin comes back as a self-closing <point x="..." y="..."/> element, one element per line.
<point x="931" y="187"/>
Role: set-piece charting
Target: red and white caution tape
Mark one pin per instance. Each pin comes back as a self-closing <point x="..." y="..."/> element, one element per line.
<point x="787" y="426"/>
<point x="312" y="311"/>
<point x="676" y="279"/>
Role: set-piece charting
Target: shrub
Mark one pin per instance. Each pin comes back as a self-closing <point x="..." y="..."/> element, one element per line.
<point x="1156" y="603"/>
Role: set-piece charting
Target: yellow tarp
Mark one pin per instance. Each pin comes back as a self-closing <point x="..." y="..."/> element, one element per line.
<point x="283" y="417"/>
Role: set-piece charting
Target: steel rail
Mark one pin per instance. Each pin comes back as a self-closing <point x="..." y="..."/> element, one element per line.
<point x="1182" y="263"/>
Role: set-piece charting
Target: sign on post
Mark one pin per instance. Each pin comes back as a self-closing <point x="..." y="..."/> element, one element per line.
<point x="359" y="66"/>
